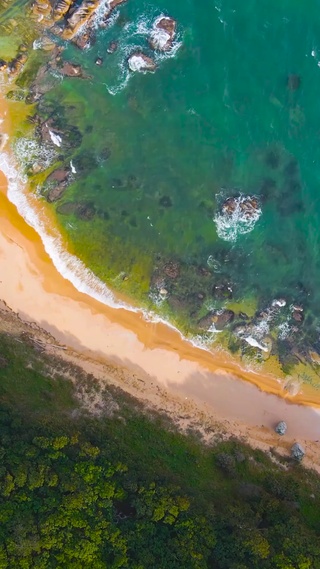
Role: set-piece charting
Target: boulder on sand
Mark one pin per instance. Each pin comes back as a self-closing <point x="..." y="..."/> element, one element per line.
<point x="163" y="33"/>
<point x="297" y="452"/>
<point x="281" y="428"/>
<point x="138" y="61"/>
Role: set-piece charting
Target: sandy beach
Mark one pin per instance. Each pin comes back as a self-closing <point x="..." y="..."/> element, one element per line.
<point x="251" y="404"/>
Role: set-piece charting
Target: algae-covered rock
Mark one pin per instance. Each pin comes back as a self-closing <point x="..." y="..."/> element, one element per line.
<point x="219" y="318"/>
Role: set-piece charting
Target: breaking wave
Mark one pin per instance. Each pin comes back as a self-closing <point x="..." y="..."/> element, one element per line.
<point x="237" y="220"/>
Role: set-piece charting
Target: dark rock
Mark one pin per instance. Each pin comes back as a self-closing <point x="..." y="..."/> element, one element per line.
<point x="165" y="201"/>
<point x="67" y="208"/>
<point x="243" y="316"/>
<point x="297" y="452"/>
<point x="281" y="428"/>
<point x="3" y="65"/>
<point x="99" y="61"/>
<point x="112" y="47"/>
<point x="293" y="82"/>
<point x="220" y="319"/>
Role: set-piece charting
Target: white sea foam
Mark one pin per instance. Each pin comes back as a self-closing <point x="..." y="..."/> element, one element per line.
<point x="255" y="344"/>
<point x="29" y="151"/>
<point x="138" y="63"/>
<point x="56" y="139"/>
<point x="231" y="224"/>
<point x="73" y="170"/>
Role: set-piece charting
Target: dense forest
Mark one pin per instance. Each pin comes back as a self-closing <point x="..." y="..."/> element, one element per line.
<point x="125" y="489"/>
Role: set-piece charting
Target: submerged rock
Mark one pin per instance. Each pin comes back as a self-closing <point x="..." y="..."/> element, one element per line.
<point x="165" y="201"/>
<point x="59" y="175"/>
<point x="172" y="269"/>
<point x="220" y="319"/>
<point x="293" y="82"/>
<point x="140" y="62"/>
<point x="99" y="61"/>
<point x="163" y="33"/>
<point x="56" y="193"/>
<point x="297" y="452"/>
<point x="112" y="47"/>
<point x="281" y="428"/>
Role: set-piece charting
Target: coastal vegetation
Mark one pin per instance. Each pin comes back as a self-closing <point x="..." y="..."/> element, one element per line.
<point x="115" y="484"/>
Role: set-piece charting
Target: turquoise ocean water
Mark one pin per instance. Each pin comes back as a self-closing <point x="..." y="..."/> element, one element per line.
<point x="160" y="152"/>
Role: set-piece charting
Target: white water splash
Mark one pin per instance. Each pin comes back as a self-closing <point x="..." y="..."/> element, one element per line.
<point x="56" y="139"/>
<point x="73" y="170"/>
<point x="231" y="224"/>
<point x="255" y="344"/>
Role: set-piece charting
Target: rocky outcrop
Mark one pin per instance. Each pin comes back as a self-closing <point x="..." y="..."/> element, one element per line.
<point x="139" y="61"/>
<point x="3" y="65"/>
<point x="163" y="33"/>
<point x="84" y="13"/>
<point x="69" y="69"/>
<point x="219" y="318"/>
<point x="61" y="8"/>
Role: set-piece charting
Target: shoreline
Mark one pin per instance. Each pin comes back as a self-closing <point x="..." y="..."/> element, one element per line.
<point x="33" y="287"/>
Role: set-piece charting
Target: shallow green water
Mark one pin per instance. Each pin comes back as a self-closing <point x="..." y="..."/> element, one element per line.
<point x="160" y="152"/>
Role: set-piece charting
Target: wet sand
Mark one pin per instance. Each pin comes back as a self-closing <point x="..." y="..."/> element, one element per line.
<point x="32" y="287"/>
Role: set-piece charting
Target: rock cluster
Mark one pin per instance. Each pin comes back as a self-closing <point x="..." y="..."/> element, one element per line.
<point x="247" y="206"/>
